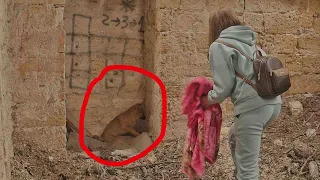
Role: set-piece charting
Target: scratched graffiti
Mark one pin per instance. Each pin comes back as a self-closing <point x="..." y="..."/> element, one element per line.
<point x="104" y="35"/>
<point x="123" y="22"/>
<point x="83" y="54"/>
<point x="127" y="5"/>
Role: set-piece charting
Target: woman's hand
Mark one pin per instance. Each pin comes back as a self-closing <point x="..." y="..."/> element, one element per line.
<point x="204" y="101"/>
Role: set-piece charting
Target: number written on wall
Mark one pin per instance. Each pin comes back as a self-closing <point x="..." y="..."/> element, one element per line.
<point x="123" y="22"/>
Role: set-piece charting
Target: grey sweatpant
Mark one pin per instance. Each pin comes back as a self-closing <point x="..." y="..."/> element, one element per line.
<point x="245" y="139"/>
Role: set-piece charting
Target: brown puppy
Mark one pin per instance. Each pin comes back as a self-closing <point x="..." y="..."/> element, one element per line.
<point x="123" y="123"/>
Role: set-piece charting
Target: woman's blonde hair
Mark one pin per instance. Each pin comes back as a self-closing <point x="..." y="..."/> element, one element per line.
<point x="221" y="20"/>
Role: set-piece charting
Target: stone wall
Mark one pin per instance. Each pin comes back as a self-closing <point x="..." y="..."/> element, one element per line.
<point x="287" y="29"/>
<point x="101" y="33"/>
<point x="153" y="93"/>
<point x="37" y="82"/>
<point x="6" y="150"/>
<point x="56" y="51"/>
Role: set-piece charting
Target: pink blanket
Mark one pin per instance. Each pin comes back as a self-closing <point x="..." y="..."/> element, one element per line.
<point x="204" y="127"/>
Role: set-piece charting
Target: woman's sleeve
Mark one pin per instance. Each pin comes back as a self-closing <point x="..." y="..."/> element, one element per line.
<point x="222" y="72"/>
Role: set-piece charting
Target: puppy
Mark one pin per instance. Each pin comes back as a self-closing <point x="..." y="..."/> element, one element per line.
<point x="123" y="124"/>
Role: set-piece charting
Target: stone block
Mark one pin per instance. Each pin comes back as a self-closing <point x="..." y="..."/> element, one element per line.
<point x="114" y="79"/>
<point x="311" y="64"/>
<point x="295" y="67"/>
<point x="141" y="142"/>
<point x="81" y="25"/>
<point x="280" y="6"/>
<point x="40" y="63"/>
<point x="176" y="42"/>
<point x="237" y="6"/>
<point x="164" y="19"/>
<point x="81" y="62"/>
<point x="192" y="4"/>
<point x="133" y="84"/>
<point x="305" y="21"/>
<point x="74" y="101"/>
<point x="97" y="66"/>
<point x="167" y="4"/>
<point x="174" y="109"/>
<point x="99" y="44"/>
<point x="134" y="60"/>
<point x="285" y="44"/>
<point x="281" y="23"/>
<point x="154" y="114"/>
<point x="254" y="20"/>
<point x="39" y="1"/>
<point x="175" y="65"/>
<point x="116" y="46"/>
<point x="202" y="42"/>
<point x="313" y="6"/>
<point x="176" y="91"/>
<point x="29" y="115"/>
<point x="40" y="18"/>
<point x="114" y="59"/>
<point x="134" y="47"/>
<point x="305" y="84"/>
<point x="188" y="20"/>
<point x="212" y="6"/>
<point x="266" y="42"/>
<point x="49" y="42"/>
<point x="46" y="138"/>
<point x="80" y="79"/>
<point x="80" y="45"/>
<point x="310" y="42"/>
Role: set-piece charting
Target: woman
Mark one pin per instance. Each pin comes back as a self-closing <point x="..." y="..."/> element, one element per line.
<point x="252" y="113"/>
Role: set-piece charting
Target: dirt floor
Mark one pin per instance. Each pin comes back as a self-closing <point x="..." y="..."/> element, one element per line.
<point x="288" y="147"/>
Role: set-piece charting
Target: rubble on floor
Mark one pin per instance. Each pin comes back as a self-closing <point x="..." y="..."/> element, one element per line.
<point x="297" y="157"/>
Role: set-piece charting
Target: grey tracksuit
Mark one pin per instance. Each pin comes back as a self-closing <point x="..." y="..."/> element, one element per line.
<point x="253" y="113"/>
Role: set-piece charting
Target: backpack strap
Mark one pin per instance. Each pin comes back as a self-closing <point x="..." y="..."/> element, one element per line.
<point x="245" y="79"/>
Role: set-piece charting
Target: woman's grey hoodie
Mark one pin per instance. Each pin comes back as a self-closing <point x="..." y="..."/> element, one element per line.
<point x="224" y="61"/>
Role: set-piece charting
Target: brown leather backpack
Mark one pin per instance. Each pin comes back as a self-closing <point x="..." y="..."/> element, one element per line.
<point x="272" y="78"/>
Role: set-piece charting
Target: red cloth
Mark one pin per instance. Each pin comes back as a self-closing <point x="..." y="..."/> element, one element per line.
<point x="204" y="127"/>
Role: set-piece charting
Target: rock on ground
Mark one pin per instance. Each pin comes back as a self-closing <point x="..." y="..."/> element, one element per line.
<point x="141" y="142"/>
<point x="295" y="107"/>
<point x="314" y="171"/>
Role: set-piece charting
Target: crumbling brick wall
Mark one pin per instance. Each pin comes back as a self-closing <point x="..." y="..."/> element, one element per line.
<point x="101" y="33"/>
<point x="6" y="150"/>
<point x="36" y="53"/>
<point x="288" y="29"/>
